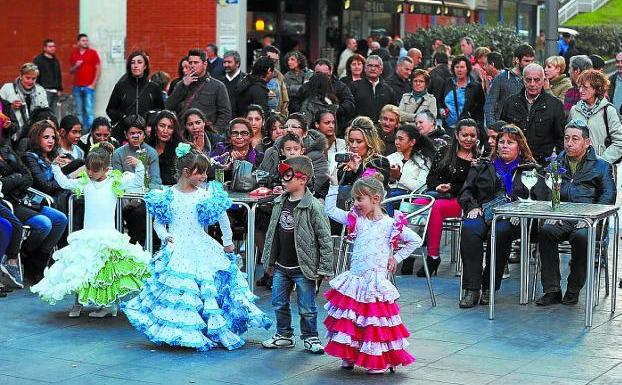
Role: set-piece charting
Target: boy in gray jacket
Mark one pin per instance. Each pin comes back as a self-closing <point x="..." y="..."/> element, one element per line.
<point x="298" y="250"/>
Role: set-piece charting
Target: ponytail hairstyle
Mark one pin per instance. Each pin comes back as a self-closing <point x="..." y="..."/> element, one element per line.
<point x="369" y="184"/>
<point x="99" y="156"/>
<point x="191" y="159"/>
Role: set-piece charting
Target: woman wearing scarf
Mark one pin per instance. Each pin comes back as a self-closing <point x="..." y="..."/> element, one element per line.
<point x="419" y="99"/>
<point x="599" y="115"/>
<point x="21" y="97"/>
<point x="491" y="182"/>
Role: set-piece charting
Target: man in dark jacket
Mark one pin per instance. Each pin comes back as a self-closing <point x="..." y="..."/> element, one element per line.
<point x="345" y="112"/>
<point x="615" y="85"/>
<point x="198" y="89"/>
<point x="215" y="65"/>
<point x="253" y="89"/>
<point x="439" y="75"/>
<point x="588" y="179"/>
<point x="539" y="114"/>
<point x="400" y="80"/>
<point x="232" y="77"/>
<point x="132" y="95"/>
<point x="50" y="76"/>
<point x="372" y="93"/>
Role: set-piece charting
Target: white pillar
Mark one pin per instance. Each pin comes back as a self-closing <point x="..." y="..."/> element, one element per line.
<point x="105" y="22"/>
<point x="231" y="28"/>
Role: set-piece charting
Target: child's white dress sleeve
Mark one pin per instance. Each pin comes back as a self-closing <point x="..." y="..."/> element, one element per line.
<point x="133" y="181"/>
<point x="161" y="230"/>
<point x="62" y="180"/>
<point x="331" y="208"/>
<point x="225" y="229"/>
<point x="410" y="242"/>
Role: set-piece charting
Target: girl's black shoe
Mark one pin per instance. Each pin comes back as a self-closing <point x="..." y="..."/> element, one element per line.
<point x="433" y="264"/>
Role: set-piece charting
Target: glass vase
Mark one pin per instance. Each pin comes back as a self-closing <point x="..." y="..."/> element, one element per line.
<point x="555" y="195"/>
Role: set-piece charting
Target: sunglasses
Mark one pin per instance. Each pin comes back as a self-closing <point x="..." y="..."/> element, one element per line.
<point x="287" y="173"/>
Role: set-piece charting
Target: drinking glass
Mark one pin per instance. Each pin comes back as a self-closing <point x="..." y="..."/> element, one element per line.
<point x="529" y="179"/>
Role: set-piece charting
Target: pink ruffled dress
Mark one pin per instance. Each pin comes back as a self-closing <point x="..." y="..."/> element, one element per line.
<point x="363" y="321"/>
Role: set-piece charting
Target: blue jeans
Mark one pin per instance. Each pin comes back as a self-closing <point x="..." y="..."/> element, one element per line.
<point x="10" y="233"/>
<point x="472" y="237"/>
<point x="84" y="98"/>
<point x="282" y="285"/>
<point x="46" y="230"/>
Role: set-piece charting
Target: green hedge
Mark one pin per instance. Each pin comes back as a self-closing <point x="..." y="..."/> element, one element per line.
<point x="496" y="37"/>
<point x="604" y="40"/>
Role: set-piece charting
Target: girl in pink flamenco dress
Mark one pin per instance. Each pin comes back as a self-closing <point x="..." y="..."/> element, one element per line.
<point x="363" y="321"/>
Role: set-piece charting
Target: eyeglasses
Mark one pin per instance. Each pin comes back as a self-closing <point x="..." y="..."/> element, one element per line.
<point x="240" y="134"/>
<point x="373" y="65"/>
<point x="287" y="173"/>
<point x="533" y="80"/>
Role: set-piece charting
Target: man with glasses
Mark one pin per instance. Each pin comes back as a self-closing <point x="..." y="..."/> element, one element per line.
<point x="615" y="85"/>
<point x="588" y="179"/>
<point x="372" y="93"/>
<point x="539" y="114"/>
<point x="50" y="76"/>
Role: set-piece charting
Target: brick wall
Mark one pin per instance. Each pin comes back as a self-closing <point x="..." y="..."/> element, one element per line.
<point x="167" y="30"/>
<point x="24" y="27"/>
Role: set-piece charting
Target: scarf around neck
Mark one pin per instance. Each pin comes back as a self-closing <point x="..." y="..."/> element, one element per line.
<point x="505" y="171"/>
<point x="586" y="110"/>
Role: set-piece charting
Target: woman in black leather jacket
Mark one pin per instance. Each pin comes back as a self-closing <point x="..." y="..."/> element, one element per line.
<point x="491" y="182"/>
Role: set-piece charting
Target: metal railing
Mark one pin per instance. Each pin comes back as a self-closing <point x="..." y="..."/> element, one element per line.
<point x="574" y="7"/>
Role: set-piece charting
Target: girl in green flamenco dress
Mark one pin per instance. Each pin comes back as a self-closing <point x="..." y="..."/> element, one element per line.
<point x="99" y="264"/>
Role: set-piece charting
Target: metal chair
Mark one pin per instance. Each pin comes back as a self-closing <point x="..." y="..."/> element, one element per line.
<point x="25" y="234"/>
<point x="454" y="226"/>
<point x="418" y="217"/>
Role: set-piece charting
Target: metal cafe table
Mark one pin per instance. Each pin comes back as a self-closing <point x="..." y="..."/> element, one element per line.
<point x="250" y="202"/>
<point x="590" y="214"/>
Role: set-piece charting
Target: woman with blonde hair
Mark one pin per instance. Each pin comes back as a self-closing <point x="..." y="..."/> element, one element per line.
<point x="556" y="82"/>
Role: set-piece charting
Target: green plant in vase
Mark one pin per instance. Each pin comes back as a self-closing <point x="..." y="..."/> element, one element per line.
<point x="553" y="180"/>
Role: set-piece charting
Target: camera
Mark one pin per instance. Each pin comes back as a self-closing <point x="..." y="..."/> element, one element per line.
<point x="342" y="157"/>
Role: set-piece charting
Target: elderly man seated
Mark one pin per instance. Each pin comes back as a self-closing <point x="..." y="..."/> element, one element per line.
<point x="588" y="179"/>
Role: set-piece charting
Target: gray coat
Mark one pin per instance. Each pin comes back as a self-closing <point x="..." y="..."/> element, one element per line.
<point x="153" y="165"/>
<point x="314" y="245"/>
<point x="315" y="148"/>
<point x="598" y="129"/>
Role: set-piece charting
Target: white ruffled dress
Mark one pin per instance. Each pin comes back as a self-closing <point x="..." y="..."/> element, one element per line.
<point x="197" y="296"/>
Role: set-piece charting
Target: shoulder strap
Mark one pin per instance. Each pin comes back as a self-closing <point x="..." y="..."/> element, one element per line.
<point x="195" y="93"/>
<point x="606" y="120"/>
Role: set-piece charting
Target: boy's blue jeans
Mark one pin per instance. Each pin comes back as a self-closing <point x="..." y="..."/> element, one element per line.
<point x="282" y="285"/>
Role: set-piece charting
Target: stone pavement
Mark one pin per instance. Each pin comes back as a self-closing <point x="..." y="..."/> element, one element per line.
<point x="524" y="345"/>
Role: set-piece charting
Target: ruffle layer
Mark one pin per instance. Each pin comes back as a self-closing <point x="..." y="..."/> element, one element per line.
<point x="368" y="347"/>
<point x="367" y="361"/>
<point x="367" y="309"/>
<point x="368" y="333"/>
<point x="372" y="286"/>
<point x="79" y="263"/>
<point x="211" y="209"/>
<point x="119" y="277"/>
<point x="186" y="310"/>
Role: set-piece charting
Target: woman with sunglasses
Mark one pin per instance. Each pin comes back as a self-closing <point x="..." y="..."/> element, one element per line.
<point x="600" y="116"/>
<point x="165" y="139"/>
<point x="491" y="182"/>
<point x="450" y="167"/>
<point x="238" y="147"/>
<point x="314" y="144"/>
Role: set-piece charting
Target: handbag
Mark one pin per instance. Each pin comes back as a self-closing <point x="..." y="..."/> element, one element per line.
<point x="242" y="179"/>
<point x="31" y="200"/>
<point x="487" y="207"/>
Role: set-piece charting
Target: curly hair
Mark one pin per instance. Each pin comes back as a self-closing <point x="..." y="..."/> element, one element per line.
<point x="596" y="79"/>
<point x="357" y="57"/>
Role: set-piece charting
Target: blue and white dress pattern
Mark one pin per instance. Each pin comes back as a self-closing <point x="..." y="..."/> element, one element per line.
<point x="197" y="296"/>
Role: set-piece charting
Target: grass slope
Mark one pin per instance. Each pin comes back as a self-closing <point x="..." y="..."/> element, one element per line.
<point x="608" y="14"/>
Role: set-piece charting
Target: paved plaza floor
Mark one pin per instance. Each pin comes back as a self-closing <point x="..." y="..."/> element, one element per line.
<point x="524" y="345"/>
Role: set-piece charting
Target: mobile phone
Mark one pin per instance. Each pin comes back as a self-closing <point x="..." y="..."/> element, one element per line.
<point x="66" y="156"/>
<point x="342" y="157"/>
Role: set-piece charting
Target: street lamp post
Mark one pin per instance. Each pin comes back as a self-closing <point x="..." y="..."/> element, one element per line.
<point x="552" y="6"/>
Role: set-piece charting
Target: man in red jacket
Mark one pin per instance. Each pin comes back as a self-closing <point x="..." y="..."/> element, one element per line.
<point x="86" y="70"/>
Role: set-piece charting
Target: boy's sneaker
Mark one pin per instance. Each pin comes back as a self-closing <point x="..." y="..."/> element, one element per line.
<point x="314" y="345"/>
<point x="278" y="341"/>
<point x="12" y="272"/>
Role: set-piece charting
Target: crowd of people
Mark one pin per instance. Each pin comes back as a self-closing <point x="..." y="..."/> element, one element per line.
<point x="335" y="140"/>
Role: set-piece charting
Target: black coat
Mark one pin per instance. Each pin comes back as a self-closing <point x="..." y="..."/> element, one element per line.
<point x="231" y="90"/>
<point x="217" y="68"/>
<point x="369" y="103"/>
<point x="438" y="78"/>
<point x="543" y="124"/>
<point x="473" y="100"/>
<point x="592" y="182"/>
<point x="346" y="109"/>
<point x="483" y="184"/>
<point x="454" y="174"/>
<point x="16" y="179"/>
<point x="251" y="90"/>
<point x="132" y="96"/>
<point x="400" y="87"/>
